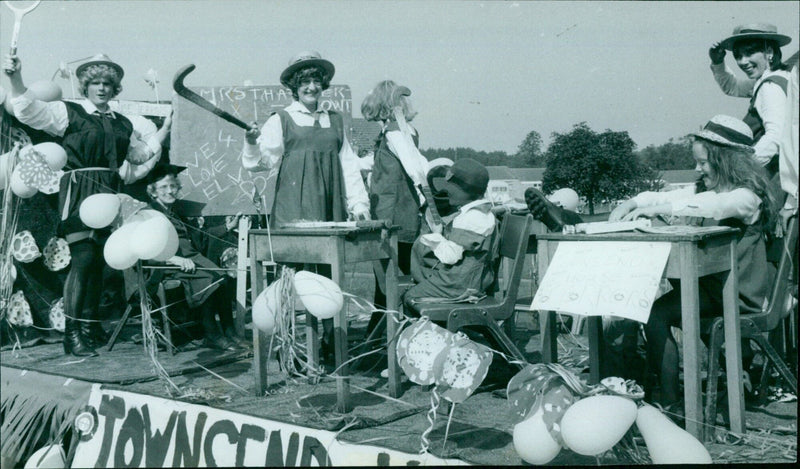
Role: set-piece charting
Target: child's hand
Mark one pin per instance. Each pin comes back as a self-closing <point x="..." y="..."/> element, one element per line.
<point x="648" y="212"/>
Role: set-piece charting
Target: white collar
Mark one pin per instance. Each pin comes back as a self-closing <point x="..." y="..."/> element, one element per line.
<point x="475" y="203"/>
<point x="91" y="108"/>
<point x="297" y="106"/>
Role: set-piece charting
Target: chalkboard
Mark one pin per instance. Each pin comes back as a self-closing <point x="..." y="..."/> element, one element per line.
<point x="211" y="148"/>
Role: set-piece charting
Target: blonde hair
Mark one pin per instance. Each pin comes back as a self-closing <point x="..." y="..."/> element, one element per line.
<point x="380" y="102"/>
<point x="100" y="71"/>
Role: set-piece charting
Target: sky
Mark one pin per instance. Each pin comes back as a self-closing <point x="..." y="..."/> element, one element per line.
<point x="482" y="74"/>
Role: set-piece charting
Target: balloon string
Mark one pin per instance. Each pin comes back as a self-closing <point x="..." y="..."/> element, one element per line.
<point x="447" y="428"/>
<point x="425" y="442"/>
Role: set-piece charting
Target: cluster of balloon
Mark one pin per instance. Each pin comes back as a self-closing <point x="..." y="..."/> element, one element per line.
<point x="140" y="234"/>
<point x="430" y="354"/>
<point x="319" y="295"/>
<point x="37" y="169"/>
<point x="43" y="90"/>
<point x="555" y="410"/>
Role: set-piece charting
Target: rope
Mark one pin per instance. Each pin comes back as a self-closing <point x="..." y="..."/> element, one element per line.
<point x="431" y="416"/>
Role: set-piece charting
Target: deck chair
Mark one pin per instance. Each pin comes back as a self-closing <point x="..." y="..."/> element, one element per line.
<point x="131" y="281"/>
<point x="488" y="312"/>
<point x="781" y="303"/>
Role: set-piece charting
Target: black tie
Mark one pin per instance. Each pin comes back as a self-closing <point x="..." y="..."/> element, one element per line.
<point x="109" y="142"/>
<point x="316" y="120"/>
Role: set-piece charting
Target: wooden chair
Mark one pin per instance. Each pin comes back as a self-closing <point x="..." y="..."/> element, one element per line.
<point x="132" y="281"/>
<point x="756" y="326"/>
<point x="488" y="312"/>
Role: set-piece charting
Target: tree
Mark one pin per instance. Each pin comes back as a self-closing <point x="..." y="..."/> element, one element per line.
<point x="530" y="150"/>
<point x="671" y="155"/>
<point x="597" y="166"/>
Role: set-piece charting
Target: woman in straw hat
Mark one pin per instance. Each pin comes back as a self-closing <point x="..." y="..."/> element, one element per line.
<point x="757" y="51"/>
<point x="319" y="175"/>
<point x="103" y="151"/>
<point x="732" y="190"/>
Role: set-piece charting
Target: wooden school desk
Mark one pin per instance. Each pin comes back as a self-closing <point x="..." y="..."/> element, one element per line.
<point x="692" y="255"/>
<point x="335" y="246"/>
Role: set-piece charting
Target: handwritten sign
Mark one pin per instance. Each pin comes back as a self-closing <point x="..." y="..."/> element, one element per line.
<point x="135" y="430"/>
<point x="211" y="148"/>
<point x="597" y="278"/>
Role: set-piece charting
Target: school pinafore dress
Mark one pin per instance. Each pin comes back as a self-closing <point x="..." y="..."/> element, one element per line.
<point x="310" y="182"/>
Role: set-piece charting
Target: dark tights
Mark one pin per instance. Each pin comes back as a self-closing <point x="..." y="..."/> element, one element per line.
<point x="662" y="350"/>
<point x="84" y="283"/>
<point x="404" y="264"/>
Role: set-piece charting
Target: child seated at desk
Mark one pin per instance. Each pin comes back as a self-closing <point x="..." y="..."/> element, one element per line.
<point x="732" y="190"/>
<point x="457" y="263"/>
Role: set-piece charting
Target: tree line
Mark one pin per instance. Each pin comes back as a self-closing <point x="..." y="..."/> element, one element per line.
<point x="600" y="166"/>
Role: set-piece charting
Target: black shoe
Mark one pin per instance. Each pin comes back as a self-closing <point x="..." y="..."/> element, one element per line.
<point x="220" y="343"/>
<point x="74" y="344"/>
<point x="544" y="210"/>
<point x="237" y="339"/>
<point x="94" y="334"/>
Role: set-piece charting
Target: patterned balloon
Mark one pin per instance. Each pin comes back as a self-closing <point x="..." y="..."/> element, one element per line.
<point x="417" y="349"/>
<point x="56" y="254"/>
<point x="24" y="248"/>
<point x="57" y="315"/>
<point x="19" y="311"/>
<point x="461" y="368"/>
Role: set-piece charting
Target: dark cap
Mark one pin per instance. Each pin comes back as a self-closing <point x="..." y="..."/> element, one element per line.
<point x="470" y="176"/>
<point x="161" y="170"/>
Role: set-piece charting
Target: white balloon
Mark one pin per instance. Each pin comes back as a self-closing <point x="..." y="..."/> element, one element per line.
<point x="54" y="154"/>
<point x="566" y="198"/>
<point x="668" y="443"/>
<point x="99" y="210"/>
<point x="19" y="188"/>
<point x="45" y="90"/>
<point x="5" y="160"/>
<point x="171" y="247"/>
<point x="318" y="294"/>
<point x="150" y="238"/>
<point x="595" y="424"/>
<point x="117" y="251"/>
<point x="51" y="456"/>
<point x="267" y="306"/>
<point x="533" y="442"/>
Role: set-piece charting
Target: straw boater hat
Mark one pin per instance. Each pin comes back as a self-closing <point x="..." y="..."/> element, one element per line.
<point x="99" y="59"/>
<point x="306" y="59"/>
<point x="727" y="130"/>
<point x="755" y="31"/>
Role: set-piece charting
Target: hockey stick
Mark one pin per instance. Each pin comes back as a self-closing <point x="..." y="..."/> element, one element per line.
<point x="182" y="90"/>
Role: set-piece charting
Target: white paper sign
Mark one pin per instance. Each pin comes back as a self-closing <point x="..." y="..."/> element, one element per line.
<point x="597" y="278"/>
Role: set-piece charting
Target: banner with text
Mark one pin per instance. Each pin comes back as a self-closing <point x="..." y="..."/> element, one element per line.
<point x="135" y="430"/>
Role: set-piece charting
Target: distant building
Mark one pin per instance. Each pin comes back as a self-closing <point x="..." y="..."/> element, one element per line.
<point x="677" y="178"/>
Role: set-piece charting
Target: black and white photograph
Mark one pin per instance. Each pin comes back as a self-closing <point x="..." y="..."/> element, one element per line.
<point x="267" y="233"/>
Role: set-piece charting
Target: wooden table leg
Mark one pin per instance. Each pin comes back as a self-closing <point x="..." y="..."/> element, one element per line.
<point x="340" y="337"/>
<point x="733" y="347"/>
<point x="690" y="326"/>
<point x="595" y="331"/>
<point x="548" y="328"/>
<point x="260" y="344"/>
<point x="393" y="305"/>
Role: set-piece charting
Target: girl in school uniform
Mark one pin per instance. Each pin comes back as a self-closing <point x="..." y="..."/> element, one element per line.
<point x="732" y="190"/>
<point x="104" y="150"/>
<point x="319" y="175"/>
<point x="399" y="169"/>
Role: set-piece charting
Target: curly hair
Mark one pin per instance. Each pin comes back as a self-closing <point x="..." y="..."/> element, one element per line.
<point x="736" y="168"/>
<point x="380" y="102"/>
<point x="312" y="71"/>
<point x="751" y="46"/>
<point x="100" y="71"/>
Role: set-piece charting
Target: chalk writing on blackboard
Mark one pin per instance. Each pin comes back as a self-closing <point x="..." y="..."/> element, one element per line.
<point x="211" y="148"/>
